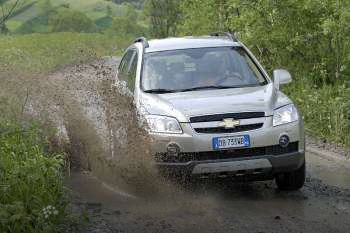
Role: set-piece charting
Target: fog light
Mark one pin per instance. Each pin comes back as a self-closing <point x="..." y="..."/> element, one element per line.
<point x="173" y="149"/>
<point x="284" y="141"/>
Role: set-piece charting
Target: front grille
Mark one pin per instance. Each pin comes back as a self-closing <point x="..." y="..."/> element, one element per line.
<point x="237" y="129"/>
<point x="228" y="154"/>
<point x="220" y="117"/>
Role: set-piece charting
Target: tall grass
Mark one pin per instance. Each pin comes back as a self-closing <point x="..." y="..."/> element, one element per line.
<point x="326" y="109"/>
<point x="31" y="182"/>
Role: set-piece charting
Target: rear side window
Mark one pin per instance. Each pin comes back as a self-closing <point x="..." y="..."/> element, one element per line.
<point x="132" y="72"/>
<point x="125" y="65"/>
<point x="127" y="68"/>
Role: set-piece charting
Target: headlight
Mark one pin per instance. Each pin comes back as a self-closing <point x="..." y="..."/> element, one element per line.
<point x="163" y="124"/>
<point x="284" y="115"/>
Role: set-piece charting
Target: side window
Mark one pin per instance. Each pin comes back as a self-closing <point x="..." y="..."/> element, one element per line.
<point x="125" y="65"/>
<point x="132" y="72"/>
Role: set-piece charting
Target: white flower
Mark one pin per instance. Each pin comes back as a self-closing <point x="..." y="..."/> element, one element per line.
<point x="49" y="210"/>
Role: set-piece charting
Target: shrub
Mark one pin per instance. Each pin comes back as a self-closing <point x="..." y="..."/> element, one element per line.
<point x="31" y="182"/>
<point x="326" y="109"/>
<point x="71" y="21"/>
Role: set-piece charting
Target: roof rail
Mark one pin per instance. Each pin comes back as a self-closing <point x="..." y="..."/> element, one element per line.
<point x="142" y="40"/>
<point x="227" y="34"/>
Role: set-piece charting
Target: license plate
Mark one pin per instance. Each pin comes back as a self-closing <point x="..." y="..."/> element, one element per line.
<point x="231" y="142"/>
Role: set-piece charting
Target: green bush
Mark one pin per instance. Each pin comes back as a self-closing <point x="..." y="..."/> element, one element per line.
<point x="31" y="182"/>
<point x="326" y="109"/>
<point x="71" y="21"/>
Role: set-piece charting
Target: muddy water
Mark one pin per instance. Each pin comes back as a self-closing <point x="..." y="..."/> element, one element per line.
<point x="219" y="207"/>
<point x="96" y="124"/>
<point x="100" y="127"/>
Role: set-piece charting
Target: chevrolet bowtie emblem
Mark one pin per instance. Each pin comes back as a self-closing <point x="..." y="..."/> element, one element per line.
<point x="229" y="123"/>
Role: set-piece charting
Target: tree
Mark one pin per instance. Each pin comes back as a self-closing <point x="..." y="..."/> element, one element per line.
<point x="6" y="11"/>
<point x="130" y="12"/>
<point x="45" y="6"/>
<point x="71" y="21"/>
<point x="204" y="16"/>
<point x="109" y="11"/>
<point x="310" y="38"/>
<point x="163" y="17"/>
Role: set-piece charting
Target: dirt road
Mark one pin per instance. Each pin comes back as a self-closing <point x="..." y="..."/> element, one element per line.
<point x="323" y="205"/>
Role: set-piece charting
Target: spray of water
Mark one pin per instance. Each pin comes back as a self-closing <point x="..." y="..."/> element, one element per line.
<point x="96" y="124"/>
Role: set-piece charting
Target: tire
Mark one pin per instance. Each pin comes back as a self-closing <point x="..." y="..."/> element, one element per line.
<point x="291" y="180"/>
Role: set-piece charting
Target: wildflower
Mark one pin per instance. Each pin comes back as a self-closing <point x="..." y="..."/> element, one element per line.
<point x="49" y="211"/>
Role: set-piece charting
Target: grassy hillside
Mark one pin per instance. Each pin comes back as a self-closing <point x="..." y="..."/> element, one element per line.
<point x="27" y="52"/>
<point x="31" y="15"/>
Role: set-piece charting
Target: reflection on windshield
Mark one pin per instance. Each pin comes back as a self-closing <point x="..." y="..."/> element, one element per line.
<point x="196" y="69"/>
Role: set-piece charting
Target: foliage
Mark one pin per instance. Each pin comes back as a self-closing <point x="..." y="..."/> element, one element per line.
<point x="71" y="21"/>
<point x="202" y="17"/>
<point x="127" y="25"/>
<point x="163" y="16"/>
<point x="136" y="3"/>
<point x="326" y="109"/>
<point x="122" y="26"/>
<point x="33" y="16"/>
<point x="6" y="11"/>
<point x="31" y="188"/>
<point x="311" y="38"/>
<point x="104" y="23"/>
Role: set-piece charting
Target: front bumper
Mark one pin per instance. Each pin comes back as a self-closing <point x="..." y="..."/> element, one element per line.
<point x="257" y="167"/>
<point x="249" y="164"/>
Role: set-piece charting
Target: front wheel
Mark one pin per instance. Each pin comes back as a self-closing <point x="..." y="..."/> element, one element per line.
<point x="291" y="180"/>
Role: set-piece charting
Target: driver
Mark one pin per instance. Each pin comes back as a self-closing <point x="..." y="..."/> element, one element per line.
<point x="211" y="71"/>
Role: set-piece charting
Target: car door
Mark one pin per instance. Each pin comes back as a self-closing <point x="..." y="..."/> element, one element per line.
<point x="124" y="85"/>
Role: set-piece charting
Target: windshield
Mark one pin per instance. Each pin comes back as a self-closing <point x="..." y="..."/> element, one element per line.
<point x="201" y="68"/>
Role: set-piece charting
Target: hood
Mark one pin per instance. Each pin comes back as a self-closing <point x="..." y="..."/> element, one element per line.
<point x="183" y="105"/>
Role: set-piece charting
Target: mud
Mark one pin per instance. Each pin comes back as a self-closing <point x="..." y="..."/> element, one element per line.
<point x="114" y="183"/>
<point x="219" y="207"/>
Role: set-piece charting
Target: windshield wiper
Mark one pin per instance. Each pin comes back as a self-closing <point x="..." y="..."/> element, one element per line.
<point x="208" y="87"/>
<point x="163" y="91"/>
<point x="160" y="91"/>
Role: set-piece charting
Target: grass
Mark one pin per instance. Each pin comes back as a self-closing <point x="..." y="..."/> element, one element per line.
<point x="31" y="182"/>
<point x="30" y="10"/>
<point x="46" y="52"/>
<point x="326" y="109"/>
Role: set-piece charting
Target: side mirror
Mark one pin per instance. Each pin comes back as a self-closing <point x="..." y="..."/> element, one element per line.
<point x="281" y="77"/>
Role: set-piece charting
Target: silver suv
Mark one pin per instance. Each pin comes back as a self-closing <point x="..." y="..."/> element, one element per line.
<point x="214" y="111"/>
